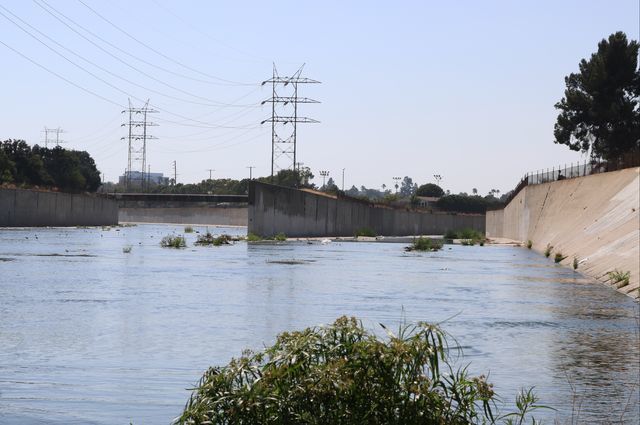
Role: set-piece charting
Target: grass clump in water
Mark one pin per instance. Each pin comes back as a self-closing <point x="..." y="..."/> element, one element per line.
<point x="252" y="237"/>
<point x="343" y="374"/>
<point x="126" y="249"/>
<point x="619" y="278"/>
<point x="547" y="250"/>
<point x="425" y="244"/>
<point x="209" y="239"/>
<point x="365" y="231"/>
<point x="529" y="244"/>
<point x="188" y="229"/>
<point x="280" y="237"/>
<point x="575" y="263"/>
<point x="173" y="241"/>
<point x="559" y="257"/>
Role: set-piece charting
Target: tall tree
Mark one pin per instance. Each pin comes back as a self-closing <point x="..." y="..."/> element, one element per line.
<point x="430" y="189"/>
<point x="599" y="111"/>
<point x="407" y="188"/>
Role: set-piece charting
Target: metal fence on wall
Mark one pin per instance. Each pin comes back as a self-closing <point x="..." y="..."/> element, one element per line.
<point x="573" y="170"/>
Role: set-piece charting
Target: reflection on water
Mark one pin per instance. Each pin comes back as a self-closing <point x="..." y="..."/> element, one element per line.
<point x="89" y="334"/>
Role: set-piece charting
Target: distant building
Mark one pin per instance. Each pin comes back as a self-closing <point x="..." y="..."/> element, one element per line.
<point x="427" y="201"/>
<point x="137" y="177"/>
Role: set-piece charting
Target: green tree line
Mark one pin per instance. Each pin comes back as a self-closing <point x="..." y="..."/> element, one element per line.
<point x="67" y="170"/>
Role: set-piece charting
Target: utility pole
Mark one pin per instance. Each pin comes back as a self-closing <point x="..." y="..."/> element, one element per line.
<point x="53" y="139"/>
<point x="251" y="167"/>
<point x="284" y="148"/>
<point x="175" y="173"/>
<point x="137" y="141"/>
<point x="324" y="175"/>
<point x="343" y="179"/>
<point x="210" y="170"/>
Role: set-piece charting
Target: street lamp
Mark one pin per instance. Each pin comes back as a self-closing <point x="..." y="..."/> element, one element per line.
<point x="343" y="179"/>
<point x="438" y="177"/>
<point x="396" y="179"/>
<point x="324" y="175"/>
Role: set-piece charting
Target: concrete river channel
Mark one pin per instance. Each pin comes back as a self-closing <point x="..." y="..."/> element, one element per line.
<point x="90" y="334"/>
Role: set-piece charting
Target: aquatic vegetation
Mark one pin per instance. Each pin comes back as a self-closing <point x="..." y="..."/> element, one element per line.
<point x="529" y="244"/>
<point x="468" y="236"/>
<point x="547" y="250"/>
<point x="209" y="239"/>
<point x="252" y="237"/>
<point x="188" y="229"/>
<point x="559" y="257"/>
<point x="280" y="237"/>
<point x="344" y="374"/>
<point x="619" y="278"/>
<point x="575" y="263"/>
<point x="365" y="231"/>
<point x="126" y="249"/>
<point x="173" y="241"/>
<point x="425" y="244"/>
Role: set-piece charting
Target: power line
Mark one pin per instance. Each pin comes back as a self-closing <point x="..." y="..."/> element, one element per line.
<point x="46" y="9"/>
<point x="158" y="52"/>
<point x="60" y="76"/>
<point x="93" y="63"/>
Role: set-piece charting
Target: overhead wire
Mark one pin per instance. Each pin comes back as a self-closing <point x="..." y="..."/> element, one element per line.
<point x="158" y="52"/>
<point x="146" y="74"/>
<point x="91" y="62"/>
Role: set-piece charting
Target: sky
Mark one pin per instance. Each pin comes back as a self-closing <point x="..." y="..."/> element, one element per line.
<point x="461" y="89"/>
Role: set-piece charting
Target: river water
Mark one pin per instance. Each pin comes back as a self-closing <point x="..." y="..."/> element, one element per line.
<point x="92" y="335"/>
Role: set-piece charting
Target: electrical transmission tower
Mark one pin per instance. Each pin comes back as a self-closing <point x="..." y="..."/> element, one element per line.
<point x="54" y="138"/>
<point x="137" y="138"/>
<point x="283" y="143"/>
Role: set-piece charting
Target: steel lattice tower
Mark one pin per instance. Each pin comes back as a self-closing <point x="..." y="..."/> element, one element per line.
<point x="137" y="139"/>
<point x="284" y="149"/>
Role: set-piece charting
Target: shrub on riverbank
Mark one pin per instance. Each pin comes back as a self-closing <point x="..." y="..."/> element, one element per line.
<point x="619" y="278"/>
<point x="343" y="374"/>
<point x="365" y="231"/>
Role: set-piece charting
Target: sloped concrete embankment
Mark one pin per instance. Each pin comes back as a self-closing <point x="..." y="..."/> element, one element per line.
<point x="594" y="219"/>
<point x="298" y="213"/>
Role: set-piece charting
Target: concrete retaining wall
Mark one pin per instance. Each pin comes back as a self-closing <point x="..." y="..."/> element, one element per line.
<point x="275" y="209"/>
<point x="215" y="215"/>
<point x="26" y="208"/>
<point x="594" y="218"/>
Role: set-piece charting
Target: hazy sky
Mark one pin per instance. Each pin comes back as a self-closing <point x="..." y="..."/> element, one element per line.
<point x="464" y="89"/>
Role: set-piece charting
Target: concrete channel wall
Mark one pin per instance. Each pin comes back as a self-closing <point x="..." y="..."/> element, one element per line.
<point x="210" y="215"/>
<point x="220" y="210"/>
<point x="27" y="208"/>
<point x="594" y="219"/>
<point x="297" y="213"/>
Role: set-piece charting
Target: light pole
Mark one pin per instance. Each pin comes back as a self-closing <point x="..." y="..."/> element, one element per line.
<point x="251" y="167"/>
<point x="210" y="170"/>
<point x="438" y="178"/>
<point x="343" y="179"/>
<point x="324" y="175"/>
<point x="397" y="179"/>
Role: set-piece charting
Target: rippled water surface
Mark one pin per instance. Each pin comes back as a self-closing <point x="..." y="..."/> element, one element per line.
<point x="92" y="335"/>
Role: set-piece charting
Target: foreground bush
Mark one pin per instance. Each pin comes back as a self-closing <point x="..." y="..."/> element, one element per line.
<point x="342" y="374"/>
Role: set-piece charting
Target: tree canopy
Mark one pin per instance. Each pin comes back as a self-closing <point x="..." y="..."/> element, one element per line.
<point x="599" y="112"/>
<point x="430" y="189"/>
<point x="68" y="170"/>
